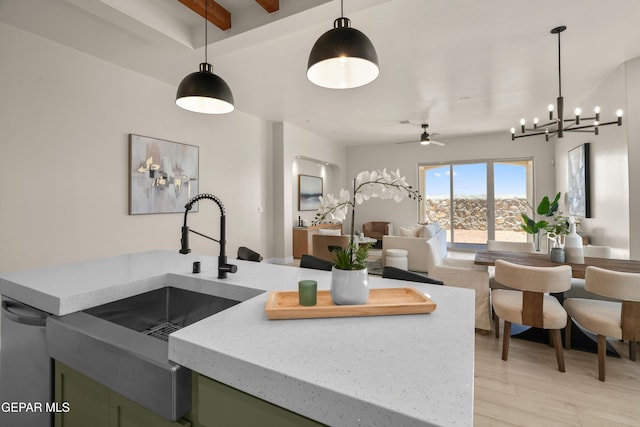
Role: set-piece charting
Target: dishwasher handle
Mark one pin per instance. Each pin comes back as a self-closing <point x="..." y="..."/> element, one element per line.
<point x="25" y="315"/>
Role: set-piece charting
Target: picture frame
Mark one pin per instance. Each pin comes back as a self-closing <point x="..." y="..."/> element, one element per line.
<point x="579" y="176"/>
<point x="309" y="192"/>
<point x="163" y="175"/>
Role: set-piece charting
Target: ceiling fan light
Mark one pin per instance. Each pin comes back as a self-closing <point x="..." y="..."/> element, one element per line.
<point x="342" y="58"/>
<point x="205" y="92"/>
<point x="424" y="138"/>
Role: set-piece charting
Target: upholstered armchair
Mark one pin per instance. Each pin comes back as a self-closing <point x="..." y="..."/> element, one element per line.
<point x="377" y="229"/>
<point x="461" y="273"/>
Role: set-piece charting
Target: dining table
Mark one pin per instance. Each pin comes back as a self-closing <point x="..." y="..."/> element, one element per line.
<point x="538" y="259"/>
<point x="580" y="338"/>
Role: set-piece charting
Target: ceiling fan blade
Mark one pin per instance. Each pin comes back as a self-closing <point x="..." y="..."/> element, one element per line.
<point x="442" y="144"/>
<point x="408" y="142"/>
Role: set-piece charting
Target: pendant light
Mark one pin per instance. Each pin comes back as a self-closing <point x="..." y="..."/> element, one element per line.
<point x="343" y="57"/>
<point x="203" y="91"/>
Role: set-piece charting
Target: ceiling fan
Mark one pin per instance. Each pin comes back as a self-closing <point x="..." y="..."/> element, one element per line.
<point x="425" y="137"/>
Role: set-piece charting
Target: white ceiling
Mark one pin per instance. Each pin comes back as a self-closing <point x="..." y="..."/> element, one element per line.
<point x="465" y="66"/>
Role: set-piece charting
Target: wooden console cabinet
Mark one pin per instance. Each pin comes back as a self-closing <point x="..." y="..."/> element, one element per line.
<point x="302" y="236"/>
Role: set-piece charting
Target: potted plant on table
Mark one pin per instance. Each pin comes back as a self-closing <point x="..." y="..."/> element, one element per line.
<point x="349" y="278"/>
<point x="547" y="208"/>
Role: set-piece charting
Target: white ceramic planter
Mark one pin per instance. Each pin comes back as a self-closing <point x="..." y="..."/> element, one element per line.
<point x="349" y="287"/>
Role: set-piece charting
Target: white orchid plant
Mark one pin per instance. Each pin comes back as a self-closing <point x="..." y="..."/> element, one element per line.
<point x="366" y="185"/>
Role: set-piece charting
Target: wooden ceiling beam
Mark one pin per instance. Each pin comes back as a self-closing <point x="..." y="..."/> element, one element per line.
<point x="269" y="5"/>
<point x="218" y="15"/>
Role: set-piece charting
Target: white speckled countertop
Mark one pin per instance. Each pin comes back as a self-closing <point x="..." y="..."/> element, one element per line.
<point x="362" y="371"/>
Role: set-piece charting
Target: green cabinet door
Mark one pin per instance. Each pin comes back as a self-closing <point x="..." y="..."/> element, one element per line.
<point x="88" y="400"/>
<point x="92" y="404"/>
<point x="126" y="413"/>
<point x="216" y="404"/>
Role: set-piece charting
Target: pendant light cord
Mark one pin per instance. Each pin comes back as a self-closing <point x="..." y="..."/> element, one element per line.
<point x="342" y="8"/>
<point x="206" y="25"/>
<point x="559" y="69"/>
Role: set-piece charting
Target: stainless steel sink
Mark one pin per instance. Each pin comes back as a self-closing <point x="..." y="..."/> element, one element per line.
<point x="123" y="344"/>
<point x="163" y="311"/>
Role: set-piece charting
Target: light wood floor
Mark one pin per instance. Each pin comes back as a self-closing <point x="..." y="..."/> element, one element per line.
<point x="528" y="389"/>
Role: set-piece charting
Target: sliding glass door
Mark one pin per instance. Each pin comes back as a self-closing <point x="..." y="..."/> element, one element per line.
<point x="469" y="204"/>
<point x="477" y="201"/>
<point x="512" y="189"/>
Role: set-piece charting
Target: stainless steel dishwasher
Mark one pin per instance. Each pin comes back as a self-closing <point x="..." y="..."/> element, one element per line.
<point x="26" y="370"/>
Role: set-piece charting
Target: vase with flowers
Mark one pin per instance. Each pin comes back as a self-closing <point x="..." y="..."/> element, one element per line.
<point x="349" y="279"/>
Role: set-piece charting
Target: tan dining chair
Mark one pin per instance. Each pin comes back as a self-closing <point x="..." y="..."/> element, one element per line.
<point x="528" y="304"/>
<point x="578" y="289"/>
<point x="500" y="245"/>
<point x="613" y="319"/>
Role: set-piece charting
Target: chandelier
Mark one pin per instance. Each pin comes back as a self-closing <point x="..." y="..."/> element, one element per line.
<point x="558" y="126"/>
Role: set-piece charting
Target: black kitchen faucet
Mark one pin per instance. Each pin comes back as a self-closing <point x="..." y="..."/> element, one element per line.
<point x="223" y="267"/>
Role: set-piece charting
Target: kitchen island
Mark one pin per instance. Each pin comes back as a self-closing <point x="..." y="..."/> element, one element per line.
<point x="370" y="371"/>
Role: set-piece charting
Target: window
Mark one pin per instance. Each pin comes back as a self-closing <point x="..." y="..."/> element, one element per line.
<point x="477" y="201"/>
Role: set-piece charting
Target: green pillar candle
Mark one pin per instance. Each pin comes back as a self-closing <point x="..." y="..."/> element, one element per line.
<point x="307" y="292"/>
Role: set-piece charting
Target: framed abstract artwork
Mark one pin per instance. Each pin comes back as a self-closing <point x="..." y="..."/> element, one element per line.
<point x="309" y="192"/>
<point x="579" y="189"/>
<point x="163" y="175"/>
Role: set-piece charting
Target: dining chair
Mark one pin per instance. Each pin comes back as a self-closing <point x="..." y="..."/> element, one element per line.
<point x="247" y="254"/>
<point x="390" y="272"/>
<point x="310" y="261"/>
<point x="500" y="245"/>
<point x="593" y="251"/>
<point x="461" y="273"/>
<point x="615" y="319"/>
<point x="529" y="303"/>
<point x="578" y="289"/>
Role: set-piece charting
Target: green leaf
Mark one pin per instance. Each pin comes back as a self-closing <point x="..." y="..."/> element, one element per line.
<point x="527" y="229"/>
<point x="543" y="207"/>
<point x="541" y="224"/>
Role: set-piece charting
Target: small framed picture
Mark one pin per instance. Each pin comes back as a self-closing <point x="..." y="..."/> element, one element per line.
<point x="309" y="192"/>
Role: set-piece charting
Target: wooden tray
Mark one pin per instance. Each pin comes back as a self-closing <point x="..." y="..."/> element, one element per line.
<point x="381" y="302"/>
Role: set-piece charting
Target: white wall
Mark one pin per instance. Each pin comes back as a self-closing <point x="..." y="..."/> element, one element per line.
<point x="289" y="142"/>
<point x="611" y="163"/>
<point x="65" y="119"/>
<point x="313" y="168"/>
<point x="407" y="157"/>
<point x="632" y="122"/>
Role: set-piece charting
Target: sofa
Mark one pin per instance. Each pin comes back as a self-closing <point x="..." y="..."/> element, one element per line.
<point x="413" y="239"/>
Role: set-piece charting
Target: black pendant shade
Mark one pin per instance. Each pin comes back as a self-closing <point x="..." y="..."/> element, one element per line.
<point x="342" y="58"/>
<point x="205" y="92"/>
